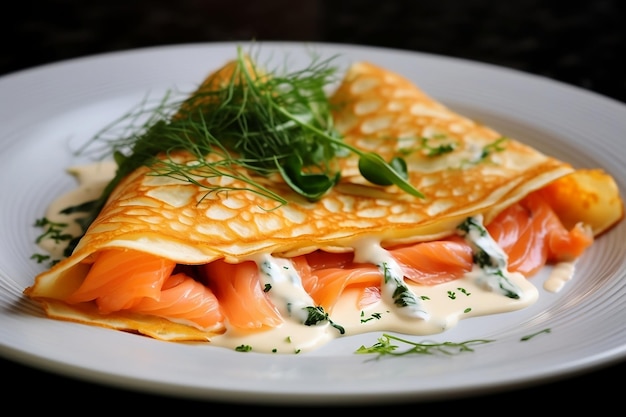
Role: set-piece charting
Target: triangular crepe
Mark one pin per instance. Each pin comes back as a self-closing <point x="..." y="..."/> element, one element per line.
<point x="462" y="168"/>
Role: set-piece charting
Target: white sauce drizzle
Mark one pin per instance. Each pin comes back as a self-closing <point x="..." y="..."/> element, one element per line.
<point x="285" y="287"/>
<point x="91" y="179"/>
<point x="394" y="289"/>
<point x="436" y="308"/>
<point x="560" y="274"/>
<point x="494" y="275"/>
<point x="446" y="304"/>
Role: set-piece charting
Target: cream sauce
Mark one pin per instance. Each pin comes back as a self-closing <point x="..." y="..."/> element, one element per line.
<point x="91" y="180"/>
<point x="560" y="274"/>
<point x="446" y="305"/>
<point x="430" y="310"/>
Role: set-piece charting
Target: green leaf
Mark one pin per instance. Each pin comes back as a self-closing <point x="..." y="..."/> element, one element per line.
<point x="311" y="186"/>
<point x="399" y="165"/>
<point x="374" y="169"/>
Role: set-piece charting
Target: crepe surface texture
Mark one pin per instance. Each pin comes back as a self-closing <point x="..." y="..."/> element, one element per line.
<point x="375" y="110"/>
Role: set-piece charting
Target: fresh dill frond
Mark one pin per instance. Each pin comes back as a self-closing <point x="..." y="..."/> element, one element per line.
<point x="386" y="347"/>
<point x="530" y="336"/>
<point x="52" y="230"/>
<point x="238" y="123"/>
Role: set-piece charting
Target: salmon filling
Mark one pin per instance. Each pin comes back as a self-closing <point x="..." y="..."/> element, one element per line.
<point x="529" y="232"/>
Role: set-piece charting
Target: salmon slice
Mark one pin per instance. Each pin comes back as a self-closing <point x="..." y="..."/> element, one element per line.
<point x="183" y="298"/>
<point x="430" y="263"/>
<point x="326" y="275"/>
<point x="531" y="234"/>
<point x="320" y="259"/>
<point x="326" y="285"/>
<point x="568" y="245"/>
<point x="368" y="296"/>
<point x="243" y="301"/>
<point x="119" y="279"/>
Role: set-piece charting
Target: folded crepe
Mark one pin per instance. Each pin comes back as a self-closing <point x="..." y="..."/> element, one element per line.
<point x="184" y="235"/>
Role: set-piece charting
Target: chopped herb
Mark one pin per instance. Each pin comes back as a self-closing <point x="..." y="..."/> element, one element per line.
<point x="495" y="146"/>
<point x="530" y="336"/>
<point x="267" y="287"/>
<point x="40" y="258"/>
<point x="243" y="348"/>
<point x="428" y="149"/>
<point x="402" y="295"/>
<point x="317" y="314"/>
<point x="467" y="310"/>
<point x="488" y="256"/>
<point x="451" y="295"/>
<point x="373" y="316"/>
<point x="441" y="149"/>
<point x="384" y="347"/>
<point x="464" y="291"/>
<point x="52" y="231"/>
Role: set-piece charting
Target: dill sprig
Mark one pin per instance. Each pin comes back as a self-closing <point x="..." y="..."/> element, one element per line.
<point x="253" y="122"/>
<point x="530" y="336"/>
<point x="386" y="347"/>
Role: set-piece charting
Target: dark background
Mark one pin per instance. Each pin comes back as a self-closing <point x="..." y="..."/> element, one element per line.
<point x="577" y="42"/>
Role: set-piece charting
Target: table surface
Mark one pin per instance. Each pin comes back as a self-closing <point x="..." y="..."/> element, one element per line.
<point x="579" y="44"/>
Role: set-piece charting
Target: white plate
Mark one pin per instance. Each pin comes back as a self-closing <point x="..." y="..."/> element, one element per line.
<point x="46" y="108"/>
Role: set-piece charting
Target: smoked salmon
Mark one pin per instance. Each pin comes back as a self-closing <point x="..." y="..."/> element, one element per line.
<point x="529" y="232"/>
<point x="119" y="279"/>
<point x="243" y="300"/>
<point x="143" y="283"/>
<point x="183" y="298"/>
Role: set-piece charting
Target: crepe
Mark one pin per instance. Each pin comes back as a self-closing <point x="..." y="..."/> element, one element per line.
<point x="463" y="169"/>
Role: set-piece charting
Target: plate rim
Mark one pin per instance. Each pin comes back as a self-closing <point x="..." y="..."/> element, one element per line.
<point x="297" y="397"/>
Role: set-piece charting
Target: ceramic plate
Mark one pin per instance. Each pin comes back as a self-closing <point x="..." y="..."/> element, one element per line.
<point x="46" y="110"/>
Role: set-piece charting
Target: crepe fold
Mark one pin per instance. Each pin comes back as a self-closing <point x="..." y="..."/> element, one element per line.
<point x="462" y="167"/>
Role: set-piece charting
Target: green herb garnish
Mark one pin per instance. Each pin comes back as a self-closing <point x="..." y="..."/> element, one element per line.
<point x="254" y="122"/>
<point x="40" y="257"/>
<point x="52" y="230"/>
<point x="489" y="257"/>
<point x="243" y="348"/>
<point x="317" y="315"/>
<point x="373" y="316"/>
<point x="495" y="146"/>
<point x="432" y="147"/>
<point x="530" y="336"/>
<point x="464" y="291"/>
<point x="385" y="347"/>
<point x="401" y="294"/>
